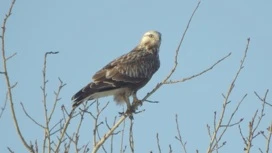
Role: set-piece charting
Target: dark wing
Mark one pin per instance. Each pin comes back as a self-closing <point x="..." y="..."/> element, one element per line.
<point x="132" y="70"/>
<point x="90" y="89"/>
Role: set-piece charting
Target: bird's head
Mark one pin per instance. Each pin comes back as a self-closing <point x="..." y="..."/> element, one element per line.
<point x="151" y="39"/>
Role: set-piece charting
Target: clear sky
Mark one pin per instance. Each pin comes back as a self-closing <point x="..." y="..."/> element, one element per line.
<point x="89" y="34"/>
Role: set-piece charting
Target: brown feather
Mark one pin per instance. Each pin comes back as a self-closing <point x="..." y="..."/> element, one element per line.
<point x="125" y="75"/>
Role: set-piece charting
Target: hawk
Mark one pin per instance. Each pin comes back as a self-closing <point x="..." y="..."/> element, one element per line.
<point x="125" y="75"/>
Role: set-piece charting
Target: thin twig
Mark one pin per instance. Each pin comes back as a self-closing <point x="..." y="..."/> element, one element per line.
<point x="47" y="138"/>
<point x="10" y="150"/>
<point x="241" y="133"/>
<point x="78" y="128"/>
<point x="198" y="74"/>
<point x="158" y="142"/>
<point x="122" y="136"/>
<point x="269" y="129"/>
<point x="54" y="126"/>
<point x="108" y="134"/>
<point x="179" y="45"/>
<point x="131" y="139"/>
<point x="254" y="123"/>
<point x="112" y="136"/>
<point x="96" y="117"/>
<point x="11" y="56"/>
<point x="32" y="119"/>
<point x="64" y="129"/>
<point x="179" y="138"/>
<point x="261" y="99"/>
<point x="4" y="106"/>
<point x="170" y="149"/>
<point x="250" y="135"/>
<point x="56" y="98"/>
<point x="209" y="131"/>
<point x="36" y="147"/>
<point x="214" y="126"/>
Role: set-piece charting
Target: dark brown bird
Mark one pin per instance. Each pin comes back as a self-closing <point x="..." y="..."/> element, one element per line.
<point x="125" y="75"/>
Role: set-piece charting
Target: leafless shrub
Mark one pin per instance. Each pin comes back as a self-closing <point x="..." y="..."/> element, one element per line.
<point x="56" y="137"/>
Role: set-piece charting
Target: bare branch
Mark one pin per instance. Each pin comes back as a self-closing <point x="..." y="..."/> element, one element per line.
<point x="176" y="58"/>
<point x="263" y="99"/>
<point x="215" y="138"/>
<point x="108" y="134"/>
<point x="47" y="138"/>
<point x="131" y="139"/>
<point x="8" y="83"/>
<point x="214" y="127"/>
<point x="158" y="143"/>
<point x="112" y="136"/>
<point x="64" y="129"/>
<point x="209" y="131"/>
<point x="179" y="138"/>
<point x="149" y="101"/>
<point x="4" y="106"/>
<point x="181" y="41"/>
<point x="98" y="134"/>
<point x="78" y="128"/>
<point x="88" y="112"/>
<point x="54" y="126"/>
<point x="56" y="98"/>
<point x="96" y="117"/>
<point x="170" y="149"/>
<point x="254" y="124"/>
<point x="36" y="147"/>
<point x="11" y="56"/>
<point x="198" y="74"/>
<point x="10" y="150"/>
<point x="269" y="129"/>
<point x="122" y="135"/>
<point x="32" y="119"/>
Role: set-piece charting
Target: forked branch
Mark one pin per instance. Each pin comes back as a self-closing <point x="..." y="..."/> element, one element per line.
<point x="216" y="136"/>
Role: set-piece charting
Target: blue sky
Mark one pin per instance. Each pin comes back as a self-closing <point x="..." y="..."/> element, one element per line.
<point x="89" y="34"/>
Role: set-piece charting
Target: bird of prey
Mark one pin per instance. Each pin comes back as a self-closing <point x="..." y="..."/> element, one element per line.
<point x="125" y="75"/>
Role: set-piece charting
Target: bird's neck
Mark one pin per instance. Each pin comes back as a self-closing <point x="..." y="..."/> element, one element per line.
<point x="150" y="49"/>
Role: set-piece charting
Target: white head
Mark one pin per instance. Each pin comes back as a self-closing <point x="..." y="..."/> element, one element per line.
<point x="151" y="39"/>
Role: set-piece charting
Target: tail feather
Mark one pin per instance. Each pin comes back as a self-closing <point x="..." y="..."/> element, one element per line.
<point x="88" y="91"/>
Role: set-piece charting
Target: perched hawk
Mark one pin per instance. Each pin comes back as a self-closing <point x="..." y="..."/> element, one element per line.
<point x="125" y="75"/>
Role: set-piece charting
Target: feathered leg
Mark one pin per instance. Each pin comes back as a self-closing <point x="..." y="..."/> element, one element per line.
<point x="130" y="109"/>
<point x="128" y="103"/>
<point x="135" y="99"/>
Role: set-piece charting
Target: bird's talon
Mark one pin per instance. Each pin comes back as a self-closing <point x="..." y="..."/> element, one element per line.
<point x="138" y="102"/>
<point x="121" y="113"/>
<point x="131" y="117"/>
<point x="130" y="112"/>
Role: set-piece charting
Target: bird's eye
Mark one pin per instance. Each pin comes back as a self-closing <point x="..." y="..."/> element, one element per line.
<point x="151" y="36"/>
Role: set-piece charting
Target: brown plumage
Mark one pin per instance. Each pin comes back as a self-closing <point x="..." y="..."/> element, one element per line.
<point x="125" y="75"/>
